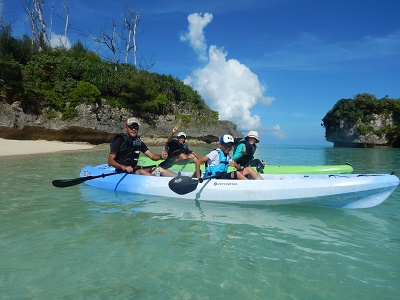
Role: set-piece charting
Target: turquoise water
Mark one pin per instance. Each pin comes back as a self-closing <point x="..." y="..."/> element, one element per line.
<point x="86" y="243"/>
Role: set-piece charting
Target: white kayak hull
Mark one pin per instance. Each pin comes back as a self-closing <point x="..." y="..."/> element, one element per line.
<point x="345" y="190"/>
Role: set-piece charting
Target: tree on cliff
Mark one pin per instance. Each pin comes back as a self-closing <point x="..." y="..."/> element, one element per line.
<point x="60" y="79"/>
<point x="362" y="117"/>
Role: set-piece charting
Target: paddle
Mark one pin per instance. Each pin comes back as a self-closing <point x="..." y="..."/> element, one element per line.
<point x="61" y="183"/>
<point x="184" y="184"/>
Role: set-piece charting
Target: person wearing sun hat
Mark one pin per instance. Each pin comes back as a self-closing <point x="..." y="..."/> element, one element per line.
<point x="218" y="161"/>
<point x="125" y="149"/>
<point x="244" y="151"/>
<point x="176" y="149"/>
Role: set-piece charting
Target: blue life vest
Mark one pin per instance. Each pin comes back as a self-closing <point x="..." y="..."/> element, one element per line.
<point x="221" y="168"/>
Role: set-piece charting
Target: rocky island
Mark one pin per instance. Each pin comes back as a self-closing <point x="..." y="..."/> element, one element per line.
<point x="364" y="121"/>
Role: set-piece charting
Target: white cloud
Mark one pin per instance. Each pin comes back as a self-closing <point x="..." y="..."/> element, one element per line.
<point x="195" y="35"/>
<point x="276" y="130"/>
<point x="227" y="86"/>
<point x="57" y="41"/>
<point x="230" y="88"/>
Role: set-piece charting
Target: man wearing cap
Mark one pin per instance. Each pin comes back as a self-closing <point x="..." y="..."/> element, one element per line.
<point x="176" y="149"/>
<point x="245" y="150"/>
<point x="125" y="149"/>
<point x="218" y="161"/>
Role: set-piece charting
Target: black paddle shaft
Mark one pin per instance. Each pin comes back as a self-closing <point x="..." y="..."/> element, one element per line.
<point x="61" y="183"/>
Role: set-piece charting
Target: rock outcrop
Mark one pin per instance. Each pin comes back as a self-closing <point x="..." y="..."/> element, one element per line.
<point x="352" y="135"/>
<point x="99" y="123"/>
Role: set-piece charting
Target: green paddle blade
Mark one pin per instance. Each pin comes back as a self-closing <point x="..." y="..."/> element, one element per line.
<point x="183" y="184"/>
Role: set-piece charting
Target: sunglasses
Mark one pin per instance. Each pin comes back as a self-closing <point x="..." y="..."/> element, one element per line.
<point x="133" y="126"/>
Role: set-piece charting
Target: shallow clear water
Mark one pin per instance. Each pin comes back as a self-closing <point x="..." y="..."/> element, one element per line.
<point x="86" y="243"/>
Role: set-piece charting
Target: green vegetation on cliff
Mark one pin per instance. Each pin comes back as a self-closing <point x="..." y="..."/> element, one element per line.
<point x="60" y="79"/>
<point x="364" y="115"/>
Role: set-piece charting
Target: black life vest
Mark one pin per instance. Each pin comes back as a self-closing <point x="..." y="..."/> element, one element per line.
<point x="129" y="151"/>
<point x="248" y="156"/>
<point x="174" y="148"/>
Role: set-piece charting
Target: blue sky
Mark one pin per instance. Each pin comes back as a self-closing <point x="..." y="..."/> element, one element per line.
<point x="275" y="66"/>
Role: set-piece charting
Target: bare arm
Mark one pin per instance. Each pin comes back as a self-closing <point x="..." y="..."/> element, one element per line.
<point x="198" y="163"/>
<point x="173" y="132"/>
<point x="112" y="162"/>
<point x="153" y="156"/>
<point x="195" y="154"/>
<point x="235" y="164"/>
<point x="164" y="153"/>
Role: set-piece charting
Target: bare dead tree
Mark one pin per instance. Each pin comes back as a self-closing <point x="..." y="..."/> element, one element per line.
<point x="130" y="33"/>
<point x="37" y="24"/>
<point x="39" y="5"/>
<point x="32" y="21"/>
<point x="51" y="19"/>
<point x="40" y="32"/>
<point x="64" y="38"/>
<point x="146" y="65"/>
<point x="110" y="40"/>
<point x="66" y="9"/>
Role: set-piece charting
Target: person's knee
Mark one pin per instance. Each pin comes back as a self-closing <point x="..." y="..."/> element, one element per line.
<point x="248" y="170"/>
<point x="240" y="176"/>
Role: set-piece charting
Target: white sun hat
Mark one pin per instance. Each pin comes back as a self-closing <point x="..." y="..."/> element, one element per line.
<point x="253" y="134"/>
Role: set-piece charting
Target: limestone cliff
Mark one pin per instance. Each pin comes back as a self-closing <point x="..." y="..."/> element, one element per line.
<point x="365" y="134"/>
<point x="364" y="121"/>
<point x="99" y="123"/>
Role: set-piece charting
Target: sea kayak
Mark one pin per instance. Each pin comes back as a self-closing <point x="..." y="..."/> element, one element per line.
<point x="337" y="190"/>
<point x="188" y="166"/>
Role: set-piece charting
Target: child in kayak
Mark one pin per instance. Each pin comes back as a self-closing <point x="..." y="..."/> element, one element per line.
<point x="176" y="150"/>
<point x="218" y="161"/>
<point x="243" y="152"/>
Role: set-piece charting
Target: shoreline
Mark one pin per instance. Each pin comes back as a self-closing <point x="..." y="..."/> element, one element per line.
<point x="9" y="147"/>
<point x="27" y="147"/>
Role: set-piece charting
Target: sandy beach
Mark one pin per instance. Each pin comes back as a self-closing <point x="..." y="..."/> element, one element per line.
<point x="22" y="147"/>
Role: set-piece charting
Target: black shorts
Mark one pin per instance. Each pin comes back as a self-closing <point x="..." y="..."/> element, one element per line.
<point x="230" y="175"/>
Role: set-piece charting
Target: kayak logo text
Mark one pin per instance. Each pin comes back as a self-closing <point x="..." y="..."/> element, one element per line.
<point x="224" y="183"/>
<point x="87" y="173"/>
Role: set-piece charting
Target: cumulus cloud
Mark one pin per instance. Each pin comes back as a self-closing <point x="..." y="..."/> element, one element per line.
<point x="195" y="34"/>
<point x="59" y="41"/>
<point x="230" y="88"/>
<point x="277" y="131"/>
<point x="227" y="86"/>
